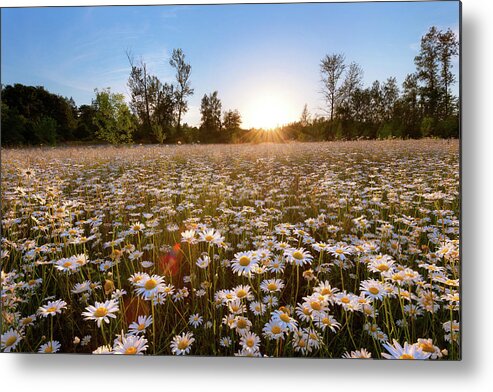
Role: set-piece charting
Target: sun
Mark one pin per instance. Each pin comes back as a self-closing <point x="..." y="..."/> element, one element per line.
<point x="268" y="111"/>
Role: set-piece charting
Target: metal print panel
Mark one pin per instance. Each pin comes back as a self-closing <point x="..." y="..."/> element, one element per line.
<point x="260" y="180"/>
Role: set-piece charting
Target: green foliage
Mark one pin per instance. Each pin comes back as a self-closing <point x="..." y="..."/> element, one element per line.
<point x="427" y="127"/>
<point x="44" y="130"/>
<point x="113" y="119"/>
<point x="210" y="110"/>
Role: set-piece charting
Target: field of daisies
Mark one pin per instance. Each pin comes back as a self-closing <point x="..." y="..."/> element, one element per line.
<point x="328" y="250"/>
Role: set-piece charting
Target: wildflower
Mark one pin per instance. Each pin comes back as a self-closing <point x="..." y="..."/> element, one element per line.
<point x="409" y="351"/>
<point x="298" y="257"/>
<point x="149" y="286"/>
<point x="52" y="308"/>
<point x="243" y="263"/>
<point x="360" y="354"/>
<point x="203" y="262"/>
<point x="140" y="325"/>
<point x="195" y="320"/>
<point x="130" y="345"/>
<point x="51" y="347"/>
<point x="10" y="340"/>
<point x="181" y="344"/>
<point x="101" y="311"/>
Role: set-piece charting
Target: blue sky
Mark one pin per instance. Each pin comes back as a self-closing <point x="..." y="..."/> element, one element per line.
<point x="262" y="59"/>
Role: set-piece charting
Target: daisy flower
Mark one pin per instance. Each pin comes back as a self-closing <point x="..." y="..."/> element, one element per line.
<point x="51" y="347"/>
<point x="273" y="330"/>
<point x="101" y="311"/>
<point x="271" y="285"/>
<point x="130" y="345"/>
<point x="140" y="325"/>
<point x="203" y="262"/>
<point x="211" y="236"/>
<point x="149" y="286"/>
<point x="243" y="263"/>
<point x="10" y="340"/>
<point x="250" y="341"/>
<point x="195" y="320"/>
<point x="243" y="292"/>
<point x="181" y="344"/>
<point x="52" y="308"/>
<point x="409" y="351"/>
<point x="225" y="341"/>
<point x="373" y="289"/>
<point x="258" y="308"/>
<point x="106" y="349"/>
<point x="189" y="236"/>
<point x="298" y="256"/>
<point x="284" y="320"/>
<point x="360" y="354"/>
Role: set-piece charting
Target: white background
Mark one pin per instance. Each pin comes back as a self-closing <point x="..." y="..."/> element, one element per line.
<point x="473" y="373"/>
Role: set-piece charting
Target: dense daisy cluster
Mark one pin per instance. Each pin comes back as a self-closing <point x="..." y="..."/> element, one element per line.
<point x="333" y="250"/>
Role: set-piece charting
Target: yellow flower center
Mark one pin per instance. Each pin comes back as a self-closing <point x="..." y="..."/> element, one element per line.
<point x="298" y="255"/>
<point x="67" y="264"/>
<point x="373" y="290"/>
<point x="284" y="317"/>
<point x="339" y="251"/>
<point x="276" y="329"/>
<point x="101" y="312"/>
<point x="27" y="320"/>
<point x="345" y="300"/>
<point x="383" y="267"/>
<point x="241" y="323"/>
<point x="51" y="309"/>
<point x="10" y="341"/>
<point x="183" y="344"/>
<point x="141" y="327"/>
<point x="250" y="342"/>
<point x="131" y="350"/>
<point x="315" y="305"/>
<point x="326" y="321"/>
<point x="325" y="291"/>
<point x="150" y="284"/>
<point x="241" y="293"/>
<point x="406" y="356"/>
<point x="32" y="282"/>
<point x="209" y="238"/>
<point x="427" y="347"/>
<point x="272" y="286"/>
<point x="244" y="261"/>
<point x="49" y="349"/>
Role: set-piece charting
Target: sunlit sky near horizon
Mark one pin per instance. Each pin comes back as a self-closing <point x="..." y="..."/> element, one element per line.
<point x="262" y="59"/>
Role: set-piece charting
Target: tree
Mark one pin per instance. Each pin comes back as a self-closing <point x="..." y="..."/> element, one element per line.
<point x="231" y="121"/>
<point x="113" y="119"/>
<point x="183" y="88"/>
<point x="408" y="107"/>
<point x="352" y="82"/>
<point x="427" y="69"/>
<point x="210" y="109"/>
<point x="448" y="47"/>
<point x="27" y="105"/>
<point x="305" y="119"/>
<point x="331" y="68"/>
<point x="390" y="94"/>
<point x="138" y="83"/>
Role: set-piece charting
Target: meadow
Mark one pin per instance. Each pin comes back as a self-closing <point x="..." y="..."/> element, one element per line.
<point x="329" y="250"/>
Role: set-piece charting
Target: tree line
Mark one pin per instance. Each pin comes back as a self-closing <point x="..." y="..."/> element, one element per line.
<point x="423" y="106"/>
